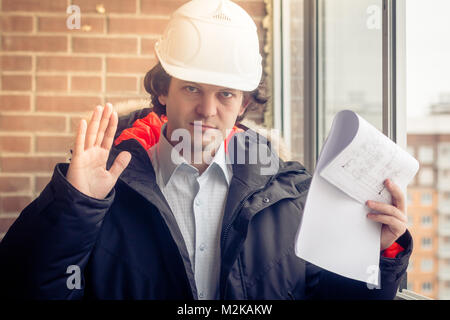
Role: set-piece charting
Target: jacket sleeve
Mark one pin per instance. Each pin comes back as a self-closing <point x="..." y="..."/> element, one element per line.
<point x="51" y="241"/>
<point x="322" y="284"/>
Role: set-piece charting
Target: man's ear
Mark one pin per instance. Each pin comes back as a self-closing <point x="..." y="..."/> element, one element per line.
<point x="245" y="103"/>
<point x="162" y="100"/>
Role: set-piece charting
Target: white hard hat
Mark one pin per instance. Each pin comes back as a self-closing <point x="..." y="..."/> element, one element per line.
<point x="213" y="42"/>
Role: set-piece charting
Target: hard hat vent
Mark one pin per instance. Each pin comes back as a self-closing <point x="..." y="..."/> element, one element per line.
<point x="221" y="16"/>
<point x="220" y="12"/>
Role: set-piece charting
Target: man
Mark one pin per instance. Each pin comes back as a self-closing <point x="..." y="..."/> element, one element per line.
<point x="145" y="219"/>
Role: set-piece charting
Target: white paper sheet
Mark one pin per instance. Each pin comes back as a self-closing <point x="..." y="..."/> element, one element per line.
<point x="335" y="233"/>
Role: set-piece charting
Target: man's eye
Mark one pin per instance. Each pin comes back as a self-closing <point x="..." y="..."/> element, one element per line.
<point x="226" y="94"/>
<point x="191" y="89"/>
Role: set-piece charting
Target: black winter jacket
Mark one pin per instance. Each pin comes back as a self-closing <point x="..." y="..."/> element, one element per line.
<point x="128" y="245"/>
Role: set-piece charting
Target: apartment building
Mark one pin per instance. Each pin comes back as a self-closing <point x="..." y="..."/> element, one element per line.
<point x="429" y="204"/>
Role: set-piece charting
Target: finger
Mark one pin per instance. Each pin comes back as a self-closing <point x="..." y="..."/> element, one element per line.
<point x="79" y="141"/>
<point x="397" y="227"/>
<point x="384" y="208"/>
<point x="93" y="127"/>
<point x="110" y="131"/>
<point x="120" y="164"/>
<point x="103" y="124"/>
<point x="398" y="198"/>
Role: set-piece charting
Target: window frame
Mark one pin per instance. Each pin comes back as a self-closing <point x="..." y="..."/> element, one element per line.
<point x="394" y="113"/>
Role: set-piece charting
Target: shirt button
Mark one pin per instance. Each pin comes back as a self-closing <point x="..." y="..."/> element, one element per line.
<point x="202" y="247"/>
<point x="197" y="202"/>
<point x="266" y="200"/>
<point x="201" y="295"/>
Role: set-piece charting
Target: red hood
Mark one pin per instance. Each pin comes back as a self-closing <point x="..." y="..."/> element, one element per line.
<point x="147" y="131"/>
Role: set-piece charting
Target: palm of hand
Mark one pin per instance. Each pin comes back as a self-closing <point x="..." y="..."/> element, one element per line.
<point x="87" y="171"/>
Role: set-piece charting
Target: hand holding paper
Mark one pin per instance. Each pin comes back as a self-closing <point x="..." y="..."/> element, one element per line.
<point x="336" y="233"/>
<point x="393" y="217"/>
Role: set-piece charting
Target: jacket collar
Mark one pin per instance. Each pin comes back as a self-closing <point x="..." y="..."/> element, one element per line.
<point x="242" y="143"/>
<point x="163" y="153"/>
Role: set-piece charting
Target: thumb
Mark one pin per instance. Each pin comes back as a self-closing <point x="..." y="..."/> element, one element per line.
<point x="120" y="164"/>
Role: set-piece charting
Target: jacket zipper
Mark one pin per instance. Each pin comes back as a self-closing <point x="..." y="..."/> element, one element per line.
<point x="228" y="227"/>
<point x="238" y="209"/>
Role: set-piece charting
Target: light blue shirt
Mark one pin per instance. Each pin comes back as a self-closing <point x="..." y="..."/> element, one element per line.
<point x="198" y="203"/>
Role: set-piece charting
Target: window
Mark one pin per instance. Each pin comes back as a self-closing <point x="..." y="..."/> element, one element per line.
<point x="427" y="287"/>
<point x="426" y="243"/>
<point x="426" y="199"/>
<point x="426" y="155"/>
<point x="350" y="74"/>
<point x="361" y="73"/>
<point x="427" y="221"/>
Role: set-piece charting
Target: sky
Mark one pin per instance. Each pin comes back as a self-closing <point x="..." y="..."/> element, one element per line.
<point x="428" y="53"/>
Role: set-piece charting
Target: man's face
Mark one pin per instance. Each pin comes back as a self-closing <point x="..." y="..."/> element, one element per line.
<point x="188" y="103"/>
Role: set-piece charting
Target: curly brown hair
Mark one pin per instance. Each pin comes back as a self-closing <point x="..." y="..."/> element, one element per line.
<point x="157" y="81"/>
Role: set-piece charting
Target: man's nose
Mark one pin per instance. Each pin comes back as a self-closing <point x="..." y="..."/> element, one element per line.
<point x="207" y="106"/>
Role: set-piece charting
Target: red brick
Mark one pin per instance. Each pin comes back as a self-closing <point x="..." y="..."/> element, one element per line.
<point x="35" y="5"/>
<point x="119" y="99"/>
<point x="130" y="65"/>
<point x="80" y="83"/>
<point x="148" y="46"/>
<point x="158" y="7"/>
<point x="34" y="43"/>
<point x="16" y="82"/>
<point x="15" y="144"/>
<point x="58" y="24"/>
<point x="14" y="103"/>
<point x="137" y="25"/>
<point x="54" y="144"/>
<point x="32" y="123"/>
<point x="10" y="204"/>
<point x="5" y="224"/>
<point x="30" y="164"/>
<point x="15" y="63"/>
<point x="16" y="23"/>
<point x="75" y="122"/>
<point x="66" y="103"/>
<point x="66" y="63"/>
<point x="110" y="6"/>
<point x="121" y="84"/>
<point x="15" y="184"/>
<point x="41" y="182"/>
<point x="51" y="83"/>
<point x="104" y="45"/>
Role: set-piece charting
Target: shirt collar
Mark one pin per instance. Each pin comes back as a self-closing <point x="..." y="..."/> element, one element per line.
<point x="169" y="162"/>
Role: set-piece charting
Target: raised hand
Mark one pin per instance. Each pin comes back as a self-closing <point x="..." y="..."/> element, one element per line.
<point x="87" y="170"/>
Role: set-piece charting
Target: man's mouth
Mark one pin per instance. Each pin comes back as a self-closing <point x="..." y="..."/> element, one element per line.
<point x="204" y="127"/>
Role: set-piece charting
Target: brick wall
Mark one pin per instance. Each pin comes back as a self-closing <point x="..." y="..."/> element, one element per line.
<point x="51" y="76"/>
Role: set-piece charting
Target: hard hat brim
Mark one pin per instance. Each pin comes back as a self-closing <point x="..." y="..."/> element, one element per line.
<point x="208" y="77"/>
